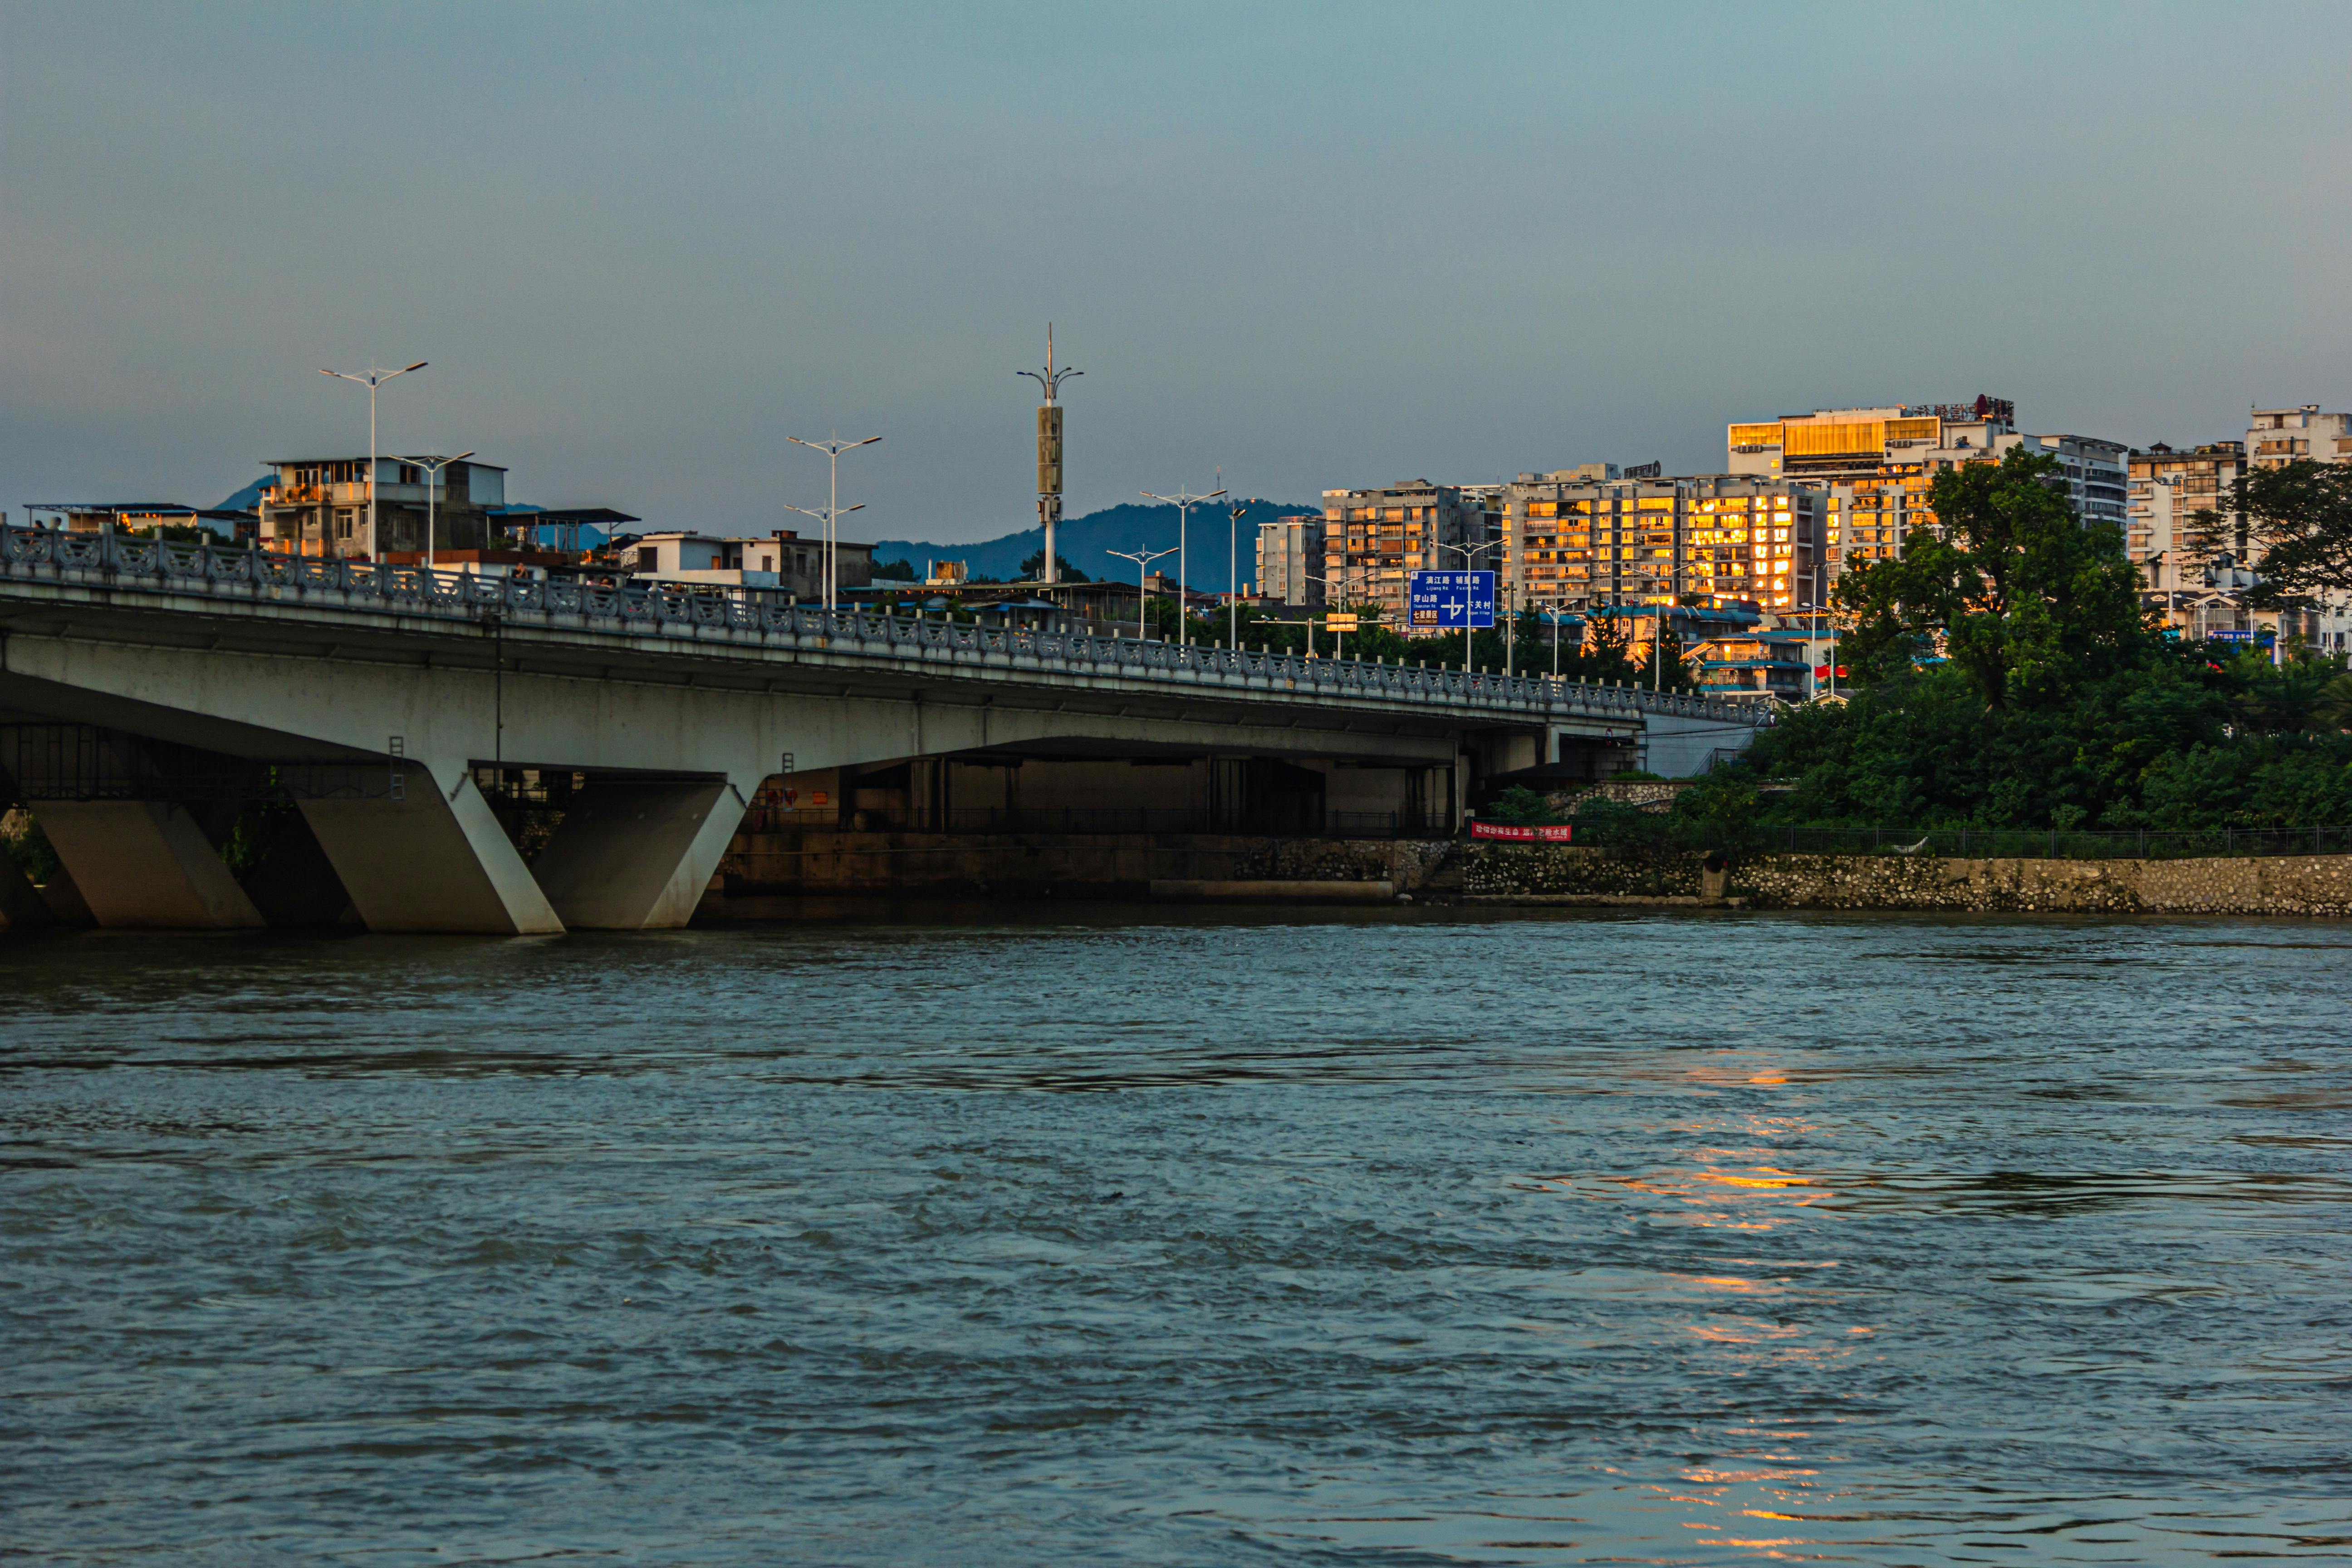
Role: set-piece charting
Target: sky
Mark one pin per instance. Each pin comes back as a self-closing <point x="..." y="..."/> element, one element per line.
<point x="1299" y="246"/>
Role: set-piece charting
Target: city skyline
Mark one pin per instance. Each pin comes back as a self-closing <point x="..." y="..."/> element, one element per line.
<point x="1346" y="251"/>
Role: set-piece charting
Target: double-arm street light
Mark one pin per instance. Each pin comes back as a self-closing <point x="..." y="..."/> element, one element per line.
<point x="1470" y="552"/>
<point x="371" y="378"/>
<point x="1143" y="558"/>
<point x="833" y="511"/>
<point x="433" y="466"/>
<point x="1183" y="501"/>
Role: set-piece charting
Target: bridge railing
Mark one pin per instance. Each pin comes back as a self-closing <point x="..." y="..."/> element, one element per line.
<point x="628" y="606"/>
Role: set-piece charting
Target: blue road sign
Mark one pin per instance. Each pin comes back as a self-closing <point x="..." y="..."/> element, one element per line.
<point x="1452" y="599"/>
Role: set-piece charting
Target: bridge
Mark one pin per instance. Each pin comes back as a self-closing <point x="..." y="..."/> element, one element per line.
<point x="151" y="691"/>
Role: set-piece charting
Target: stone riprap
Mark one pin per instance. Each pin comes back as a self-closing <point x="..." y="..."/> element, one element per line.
<point x="2263" y="885"/>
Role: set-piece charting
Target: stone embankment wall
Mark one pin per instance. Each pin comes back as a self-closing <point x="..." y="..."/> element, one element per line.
<point x="2272" y="884"/>
<point x="1442" y="871"/>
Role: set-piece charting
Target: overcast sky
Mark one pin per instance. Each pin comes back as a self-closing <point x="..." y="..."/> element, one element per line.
<point x="1313" y="245"/>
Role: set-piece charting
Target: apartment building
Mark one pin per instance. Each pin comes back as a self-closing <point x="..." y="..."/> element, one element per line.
<point x="2179" y="514"/>
<point x="1878" y="464"/>
<point x="1290" y="561"/>
<point x="1374" y="539"/>
<point x="319" y="506"/>
<point x="1578" y="542"/>
<point x="2279" y="435"/>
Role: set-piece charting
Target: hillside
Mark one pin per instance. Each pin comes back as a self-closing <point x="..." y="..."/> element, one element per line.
<point x="1085" y="542"/>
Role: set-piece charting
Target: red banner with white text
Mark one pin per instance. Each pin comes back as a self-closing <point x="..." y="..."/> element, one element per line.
<point x="1521" y="835"/>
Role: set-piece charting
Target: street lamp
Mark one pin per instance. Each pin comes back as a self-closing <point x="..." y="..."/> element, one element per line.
<point x="1233" y="577"/>
<point x="1469" y="553"/>
<point x="1143" y="558"/>
<point x="1183" y="501"/>
<point x="1339" y="640"/>
<point x="371" y="378"/>
<point x="833" y="511"/>
<point x="432" y="472"/>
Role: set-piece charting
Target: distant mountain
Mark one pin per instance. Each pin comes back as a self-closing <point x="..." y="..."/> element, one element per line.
<point x="246" y="498"/>
<point x="1085" y="542"/>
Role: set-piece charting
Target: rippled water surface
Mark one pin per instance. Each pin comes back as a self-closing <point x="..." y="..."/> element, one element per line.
<point x="1538" y="1240"/>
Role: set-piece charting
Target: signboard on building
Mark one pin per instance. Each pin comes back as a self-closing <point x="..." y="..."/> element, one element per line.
<point x="1449" y="601"/>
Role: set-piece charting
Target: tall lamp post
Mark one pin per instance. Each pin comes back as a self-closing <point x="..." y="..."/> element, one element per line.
<point x="1049" y="453"/>
<point x="371" y="378"/>
<point x="1183" y="501"/>
<point x="433" y="467"/>
<point x="833" y="511"/>
<point x="1143" y="558"/>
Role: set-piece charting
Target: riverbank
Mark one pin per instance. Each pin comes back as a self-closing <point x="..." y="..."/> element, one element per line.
<point x="1246" y="868"/>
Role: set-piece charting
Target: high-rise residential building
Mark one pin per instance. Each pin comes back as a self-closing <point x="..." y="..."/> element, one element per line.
<point x="1374" y="539"/>
<point x="2180" y="517"/>
<point x="1878" y="464"/>
<point x="1579" y="543"/>
<point x="1290" y="561"/>
<point x="2279" y="435"/>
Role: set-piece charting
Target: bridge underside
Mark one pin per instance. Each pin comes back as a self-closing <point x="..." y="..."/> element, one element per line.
<point x="201" y="771"/>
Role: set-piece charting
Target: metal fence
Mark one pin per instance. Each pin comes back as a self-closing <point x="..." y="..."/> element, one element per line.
<point x="762" y="617"/>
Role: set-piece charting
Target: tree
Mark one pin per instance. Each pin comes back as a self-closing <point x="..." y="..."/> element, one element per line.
<point x="2300" y="515"/>
<point x="894" y="572"/>
<point x="2024" y="599"/>
<point x="1037" y="564"/>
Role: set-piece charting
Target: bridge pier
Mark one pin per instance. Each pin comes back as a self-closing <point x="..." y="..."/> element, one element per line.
<point x="21" y="905"/>
<point x="636" y="854"/>
<point x="146" y="864"/>
<point x="431" y="860"/>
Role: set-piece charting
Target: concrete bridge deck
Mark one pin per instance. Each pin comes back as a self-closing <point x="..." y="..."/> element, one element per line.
<point x="679" y="701"/>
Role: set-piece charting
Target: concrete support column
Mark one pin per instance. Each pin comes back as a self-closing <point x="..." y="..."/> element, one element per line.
<point x="1461" y="792"/>
<point x="21" y="906"/>
<point x="434" y="860"/>
<point x="638" y="856"/>
<point x="145" y="865"/>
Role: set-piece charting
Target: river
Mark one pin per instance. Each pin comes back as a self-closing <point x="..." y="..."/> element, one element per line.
<point x="1106" y="1236"/>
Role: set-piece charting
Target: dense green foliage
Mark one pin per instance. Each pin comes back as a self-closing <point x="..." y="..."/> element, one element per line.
<point x="894" y="572"/>
<point x="2300" y="515"/>
<point x="2056" y="703"/>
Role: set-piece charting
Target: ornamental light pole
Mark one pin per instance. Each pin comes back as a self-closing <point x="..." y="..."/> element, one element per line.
<point x="833" y="511"/>
<point x="1183" y="501"/>
<point x="1049" y="453"/>
<point x="1143" y="558"/>
<point x="433" y="467"/>
<point x="371" y="378"/>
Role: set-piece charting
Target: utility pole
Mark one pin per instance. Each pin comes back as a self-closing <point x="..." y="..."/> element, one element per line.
<point x="1143" y="558"/>
<point x="1049" y="454"/>
<point x="834" y="511"/>
<point x="1183" y="501"/>
<point x="371" y="378"/>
